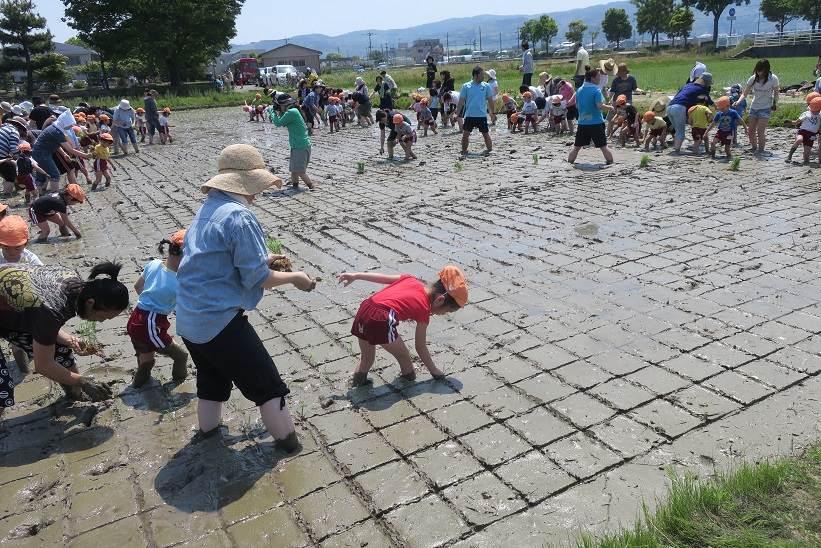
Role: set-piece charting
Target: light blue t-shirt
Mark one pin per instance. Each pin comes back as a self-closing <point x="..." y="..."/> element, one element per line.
<point x="476" y="96"/>
<point x="587" y="99"/>
<point x="159" y="290"/>
<point x="223" y="268"/>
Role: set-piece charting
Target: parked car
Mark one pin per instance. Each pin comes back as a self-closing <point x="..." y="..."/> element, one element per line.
<point x="382" y="65"/>
<point x="286" y="74"/>
<point x="359" y="69"/>
<point x="479" y="55"/>
<point x="565" y="48"/>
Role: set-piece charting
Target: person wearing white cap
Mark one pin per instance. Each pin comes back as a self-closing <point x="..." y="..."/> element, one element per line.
<point x="224" y="272"/>
<point x="5" y="106"/>
<point x="494" y="88"/>
<point x="123" y="125"/>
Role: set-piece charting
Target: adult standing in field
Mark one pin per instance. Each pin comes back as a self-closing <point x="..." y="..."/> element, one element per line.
<point x="527" y="64"/>
<point x="448" y="85"/>
<point x="123" y="120"/>
<point x="152" y="113"/>
<point x="388" y="79"/>
<point x="430" y="71"/>
<point x="690" y="95"/>
<point x="363" y="102"/>
<point x="225" y="255"/>
<point x="582" y="64"/>
<point x="590" y="102"/>
<point x="477" y="99"/>
<point x="624" y="83"/>
<point x="764" y="86"/>
<point x="383" y="91"/>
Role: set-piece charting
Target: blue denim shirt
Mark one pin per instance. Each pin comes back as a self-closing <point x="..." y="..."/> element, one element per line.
<point x="223" y="267"/>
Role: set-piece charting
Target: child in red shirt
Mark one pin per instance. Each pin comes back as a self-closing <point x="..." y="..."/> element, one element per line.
<point x="405" y="298"/>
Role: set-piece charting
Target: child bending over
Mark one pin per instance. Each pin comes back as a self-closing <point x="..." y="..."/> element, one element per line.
<point x="809" y="125"/>
<point x="405" y="298"/>
<point x="656" y="127"/>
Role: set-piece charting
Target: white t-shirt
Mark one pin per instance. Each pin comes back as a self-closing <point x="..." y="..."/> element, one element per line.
<point x="26" y="258"/>
<point x="762" y="93"/>
<point x="454" y="97"/>
<point x="494" y="88"/>
<point x="584" y="57"/>
<point x="810" y="122"/>
<point x="164" y="121"/>
<point x="537" y="92"/>
<point x="603" y="79"/>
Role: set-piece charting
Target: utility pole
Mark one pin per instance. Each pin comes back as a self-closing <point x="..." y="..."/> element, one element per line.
<point x="370" y="45"/>
<point x="447" y="45"/>
<point x="500" y="41"/>
<point x="480" y="37"/>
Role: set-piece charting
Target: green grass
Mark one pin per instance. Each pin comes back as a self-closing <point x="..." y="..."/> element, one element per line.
<point x="183" y="102"/>
<point x="771" y="504"/>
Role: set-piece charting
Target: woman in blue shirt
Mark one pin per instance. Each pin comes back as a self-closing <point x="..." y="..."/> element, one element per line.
<point x="223" y="272"/>
<point x="123" y="121"/>
<point x="590" y="103"/>
<point x="690" y="95"/>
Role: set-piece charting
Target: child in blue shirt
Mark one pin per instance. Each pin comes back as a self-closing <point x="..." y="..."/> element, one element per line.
<point x="148" y="324"/>
<point x="726" y="120"/>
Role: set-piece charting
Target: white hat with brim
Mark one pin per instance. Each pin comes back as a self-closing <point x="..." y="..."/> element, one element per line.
<point x="5" y="106"/>
<point x="492" y="73"/>
<point x="604" y="63"/>
<point x="125" y="105"/>
<point x="242" y="171"/>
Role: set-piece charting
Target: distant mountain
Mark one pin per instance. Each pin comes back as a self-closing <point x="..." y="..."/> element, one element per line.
<point x="464" y="31"/>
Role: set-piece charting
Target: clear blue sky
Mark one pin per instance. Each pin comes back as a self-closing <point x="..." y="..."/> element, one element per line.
<point x="258" y="21"/>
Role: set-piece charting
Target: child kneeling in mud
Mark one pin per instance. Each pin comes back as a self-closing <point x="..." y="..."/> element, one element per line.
<point x="405" y="298"/>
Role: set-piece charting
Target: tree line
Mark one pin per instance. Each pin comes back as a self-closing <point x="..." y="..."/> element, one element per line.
<point x="656" y="17"/>
<point x="169" y="40"/>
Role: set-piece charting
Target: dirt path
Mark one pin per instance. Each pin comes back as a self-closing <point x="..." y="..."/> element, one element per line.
<point x="622" y="320"/>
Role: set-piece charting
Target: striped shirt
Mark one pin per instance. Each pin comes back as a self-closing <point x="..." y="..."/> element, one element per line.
<point x="9" y="140"/>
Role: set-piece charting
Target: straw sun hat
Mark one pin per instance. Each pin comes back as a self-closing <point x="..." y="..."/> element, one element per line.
<point x="242" y="171"/>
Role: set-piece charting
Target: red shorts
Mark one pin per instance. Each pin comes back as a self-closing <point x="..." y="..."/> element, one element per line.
<point x="86" y="141"/>
<point x="332" y="119"/>
<point x="808" y="137"/>
<point x="101" y="165"/>
<point x="148" y="330"/>
<point x="657" y="132"/>
<point x="375" y="323"/>
<point x="530" y="118"/>
<point x="558" y="119"/>
<point x="26" y="181"/>
<point x="698" y="133"/>
<point x="724" y="137"/>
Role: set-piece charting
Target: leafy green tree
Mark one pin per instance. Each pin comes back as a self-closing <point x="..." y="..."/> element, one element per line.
<point x="616" y="25"/>
<point x="25" y="40"/>
<point x="76" y="41"/>
<point x="780" y="12"/>
<point x="527" y="32"/>
<point x="575" y="30"/>
<point x="104" y="27"/>
<point x="811" y="11"/>
<point x="53" y="72"/>
<point x="334" y="56"/>
<point x="716" y="9"/>
<point x="653" y="17"/>
<point x="546" y="29"/>
<point x="378" y="55"/>
<point x="681" y="24"/>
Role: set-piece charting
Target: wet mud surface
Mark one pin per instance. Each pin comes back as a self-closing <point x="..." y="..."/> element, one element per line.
<point x="622" y="321"/>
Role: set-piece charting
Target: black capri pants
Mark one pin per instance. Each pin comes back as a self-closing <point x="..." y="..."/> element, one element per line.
<point x="63" y="355"/>
<point x="236" y="356"/>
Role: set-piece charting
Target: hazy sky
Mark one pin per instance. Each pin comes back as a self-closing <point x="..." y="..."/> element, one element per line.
<point x="259" y="21"/>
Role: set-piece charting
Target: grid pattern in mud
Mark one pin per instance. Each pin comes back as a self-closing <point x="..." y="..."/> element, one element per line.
<point x="621" y="321"/>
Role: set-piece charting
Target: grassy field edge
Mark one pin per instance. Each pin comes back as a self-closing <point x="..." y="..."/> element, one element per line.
<point x="772" y="503"/>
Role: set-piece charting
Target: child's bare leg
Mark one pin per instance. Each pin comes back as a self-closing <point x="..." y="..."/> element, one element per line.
<point x="145" y="363"/>
<point x="44" y="231"/>
<point x="398" y="350"/>
<point x="807" y="150"/>
<point x="367" y="355"/>
<point x="98" y="176"/>
<point x="107" y="178"/>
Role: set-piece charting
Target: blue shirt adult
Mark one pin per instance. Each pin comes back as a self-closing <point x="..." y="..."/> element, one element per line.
<point x="223" y="268"/>
<point x="588" y="99"/>
<point x="691" y="95"/>
<point x="123" y="117"/>
<point x="44" y="148"/>
<point x="476" y="95"/>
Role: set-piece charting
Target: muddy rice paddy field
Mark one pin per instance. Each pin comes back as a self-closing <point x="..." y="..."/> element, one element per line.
<point x="623" y="321"/>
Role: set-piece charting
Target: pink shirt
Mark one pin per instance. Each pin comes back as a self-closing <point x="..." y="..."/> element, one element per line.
<point x="567" y="91"/>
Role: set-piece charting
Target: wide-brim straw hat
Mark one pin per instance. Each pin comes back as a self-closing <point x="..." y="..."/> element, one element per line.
<point x="608" y="66"/>
<point x="242" y="170"/>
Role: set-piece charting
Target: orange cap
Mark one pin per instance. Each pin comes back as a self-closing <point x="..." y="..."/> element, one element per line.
<point x="649" y="116"/>
<point x="398" y="118"/>
<point x="14" y="231"/>
<point x="80" y="116"/>
<point x="91" y="118"/>
<point x="425" y="101"/>
<point x="455" y="284"/>
<point x="178" y="237"/>
<point x="723" y="102"/>
<point x="24" y="147"/>
<point x="104" y="117"/>
<point x="815" y="104"/>
<point x="505" y="97"/>
<point x="76" y="192"/>
<point x="811" y="96"/>
<point x="514" y="117"/>
<point x="167" y="110"/>
<point x="527" y="95"/>
<point x="140" y="110"/>
<point x="621" y="100"/>
<point x="107" y="137"/>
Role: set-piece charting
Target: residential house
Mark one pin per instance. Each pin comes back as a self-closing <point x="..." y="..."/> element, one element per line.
<point x="291" y="54"/>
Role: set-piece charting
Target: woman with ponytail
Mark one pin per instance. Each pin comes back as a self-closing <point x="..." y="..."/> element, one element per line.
<point x="148" y="324"/>
<point x="35" y="303"/>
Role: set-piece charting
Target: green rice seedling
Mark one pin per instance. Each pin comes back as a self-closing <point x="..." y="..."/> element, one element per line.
<point x="535" y="158"/>
<point x="645" y="161"/>
<point x="458" y="166"/>
<point x="274" y="245"/>
<point x="360" y="168"/>
<point x="734" y="165"/>
<point x="87" y="330"/>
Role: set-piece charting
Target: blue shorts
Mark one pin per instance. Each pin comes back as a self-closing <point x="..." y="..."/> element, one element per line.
<point x="765" y="113"/>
